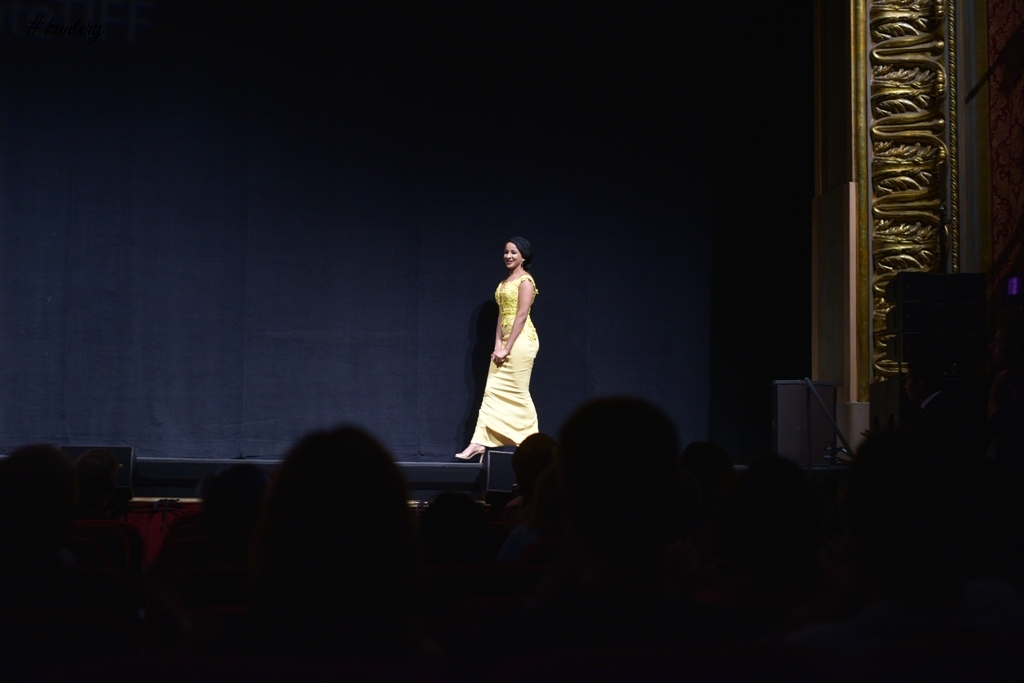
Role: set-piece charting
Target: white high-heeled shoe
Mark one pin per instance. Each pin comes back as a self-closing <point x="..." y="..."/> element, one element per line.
<point x="471" y="456"/>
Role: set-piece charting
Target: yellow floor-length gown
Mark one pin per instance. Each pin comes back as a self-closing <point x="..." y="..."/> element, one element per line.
<point x="507" y="415"/>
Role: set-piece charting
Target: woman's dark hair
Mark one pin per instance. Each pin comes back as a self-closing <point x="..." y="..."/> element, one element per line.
<point x="524" y="247"/>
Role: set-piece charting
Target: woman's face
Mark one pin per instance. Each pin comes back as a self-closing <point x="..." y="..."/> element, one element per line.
<point x="512" y="256"/>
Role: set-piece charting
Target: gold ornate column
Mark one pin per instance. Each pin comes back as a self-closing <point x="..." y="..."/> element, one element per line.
<point x="907" y="154"/>
<point x="886" y="196"/>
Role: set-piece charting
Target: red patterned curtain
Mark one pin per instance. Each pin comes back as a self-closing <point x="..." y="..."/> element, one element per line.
<point x="1006" y="134"/>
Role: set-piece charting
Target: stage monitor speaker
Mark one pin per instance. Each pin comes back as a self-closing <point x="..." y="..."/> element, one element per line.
<point x="125" y="456"/>
<point x="801" y="429"/>
<point x="501" y="477"/>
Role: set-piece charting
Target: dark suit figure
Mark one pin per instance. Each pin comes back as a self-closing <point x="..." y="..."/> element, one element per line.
<point x="942" y="414"/>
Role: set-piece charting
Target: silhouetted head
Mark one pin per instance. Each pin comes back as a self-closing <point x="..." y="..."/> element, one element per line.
<point x="525" y="250"/>
<point x="534" y="455"/>
<point x="546" y="514"/>
<point x="623" y="486"/>
<point x="903" y="508"/>
<point x="710" y="464"/>
<point x="37" y="497"/>
<point x="335" y="554"/>
<point x="453" y="530"/>
<point x="96" y="470"/>
<point x="766" y="527"/>
<point x="231" y="504"/>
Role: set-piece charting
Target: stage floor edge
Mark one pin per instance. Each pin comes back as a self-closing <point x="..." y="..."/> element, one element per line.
<point x="180" y="477"/>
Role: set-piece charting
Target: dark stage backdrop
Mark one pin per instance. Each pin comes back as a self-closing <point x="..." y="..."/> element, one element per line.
<point x="223" y="225"/>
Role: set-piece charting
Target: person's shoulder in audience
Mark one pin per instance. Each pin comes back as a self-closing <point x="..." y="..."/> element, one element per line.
<point x="512" y="514"/>
<point x="994" y="605"/>
<point x="522" y="536"/>
<point x="877" y="626"/>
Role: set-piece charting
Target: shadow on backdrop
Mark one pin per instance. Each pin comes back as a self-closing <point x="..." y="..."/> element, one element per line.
<point x="481" y="336"/>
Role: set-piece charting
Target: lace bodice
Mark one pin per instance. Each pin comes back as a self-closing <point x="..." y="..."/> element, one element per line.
<point x="507" y="296"/>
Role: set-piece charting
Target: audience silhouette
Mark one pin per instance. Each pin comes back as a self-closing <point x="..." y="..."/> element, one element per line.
<point x="765" y="537"/>
<point x="1006" y="400"/>
<point x="624" y="494"/>
<point x="906" y="508"/>
<point x="336" y="565"/>
<point x="454" y="531"/>
<point x="51" y="610"/>
<point x="543" y="519"/>
<point x="710" y="465"/>
<point x="766" y="529"/>
<point x="626" y="513"/>
<point x="619" y="544"/>
<point x="232" y="499"/>
<point x="96" y="471"/>
<point x="37" y="502"/>
<point x="534" y="455"/>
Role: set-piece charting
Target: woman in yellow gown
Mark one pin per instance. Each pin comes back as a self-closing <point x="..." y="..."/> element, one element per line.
<point x="507" y="415"/>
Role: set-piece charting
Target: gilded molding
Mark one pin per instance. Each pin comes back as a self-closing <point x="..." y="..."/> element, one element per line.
<point x="953" y="140"/>
<point x="864" y="300"/>
<point x="908" y="151"/>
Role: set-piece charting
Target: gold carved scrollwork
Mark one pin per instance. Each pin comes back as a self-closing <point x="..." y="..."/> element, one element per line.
<point x="907" y="130"/>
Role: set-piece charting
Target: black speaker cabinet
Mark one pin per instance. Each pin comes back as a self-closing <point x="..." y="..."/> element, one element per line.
<point x="125" y="456"/>
<point x="942" y="318"/>
<point x="500" y="475"/>
<point x="941" y="288"/>
<point x="801" y="428"/>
